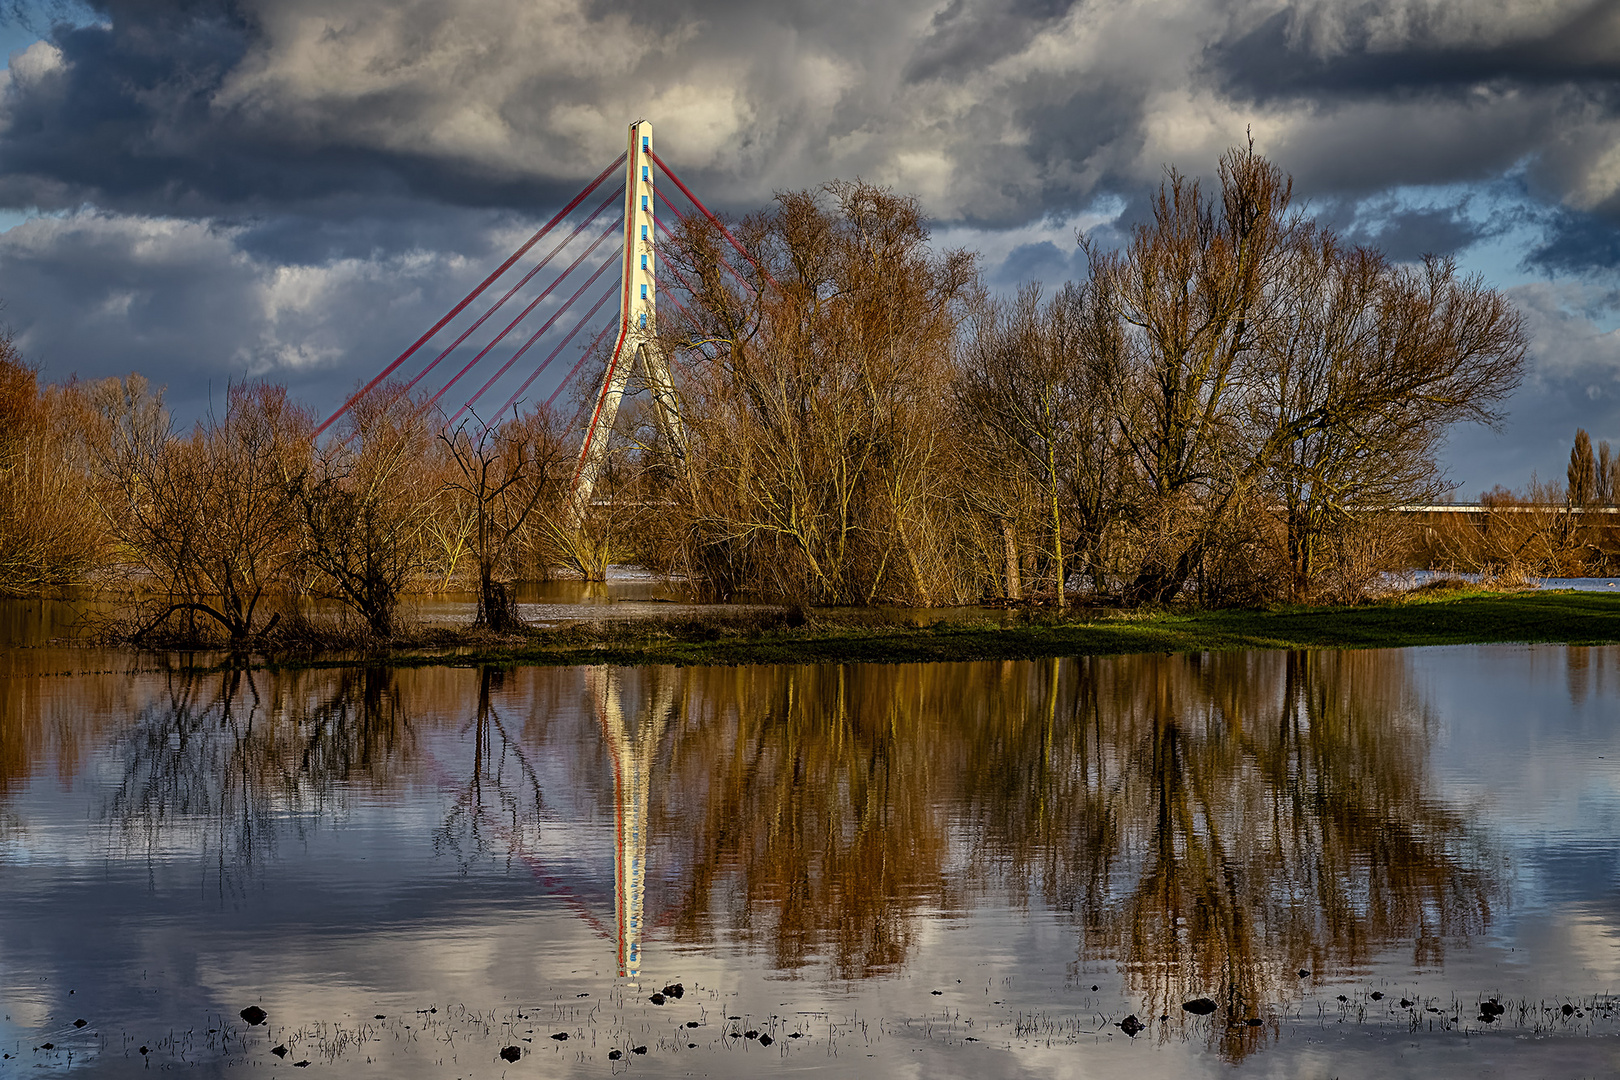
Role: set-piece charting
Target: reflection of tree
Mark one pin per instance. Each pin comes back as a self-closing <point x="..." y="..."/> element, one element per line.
<point x="1213" y="823"/>
<point x="1218" y="823"/>
<point x="803" y="796"/>
<point x="501" y="795"/>
<point x="220" y="762"/>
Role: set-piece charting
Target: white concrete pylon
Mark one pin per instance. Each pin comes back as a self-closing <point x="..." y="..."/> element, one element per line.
<point x="638" y="327"/>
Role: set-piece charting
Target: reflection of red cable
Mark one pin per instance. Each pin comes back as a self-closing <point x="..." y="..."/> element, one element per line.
<point x="536" y="867"/>
<point x="470" y="297"/>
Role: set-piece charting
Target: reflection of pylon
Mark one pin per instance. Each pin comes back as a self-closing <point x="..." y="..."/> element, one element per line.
<point x="633" y="749"/>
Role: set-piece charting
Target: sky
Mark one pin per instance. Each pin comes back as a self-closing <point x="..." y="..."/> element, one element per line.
<point x="214" y="190"/>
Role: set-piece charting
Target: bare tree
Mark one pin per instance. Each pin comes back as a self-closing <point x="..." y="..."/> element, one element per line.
<point x="209" y="519"/>
<point x="504" y="479"/>
<point x="364" y="506"/>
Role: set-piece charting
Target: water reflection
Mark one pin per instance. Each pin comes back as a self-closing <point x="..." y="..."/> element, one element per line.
<point x="1211" y="825"/>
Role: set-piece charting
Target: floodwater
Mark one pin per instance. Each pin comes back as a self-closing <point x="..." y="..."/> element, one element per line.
<point x="977" y="869"/>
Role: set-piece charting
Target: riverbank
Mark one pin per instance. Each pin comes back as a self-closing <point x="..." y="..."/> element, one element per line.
<point x="1426" y="618"/>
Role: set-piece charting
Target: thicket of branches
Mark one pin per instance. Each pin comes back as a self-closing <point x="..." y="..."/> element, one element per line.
<point x="1224" y="409"/>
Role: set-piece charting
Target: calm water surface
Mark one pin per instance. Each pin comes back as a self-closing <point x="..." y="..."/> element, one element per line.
<point x="973" y="870"/>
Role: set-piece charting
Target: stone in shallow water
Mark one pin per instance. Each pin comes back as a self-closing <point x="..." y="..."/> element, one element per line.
<point x="253" y="1015"/>
<point x="765" y="1040"/>
<point x="674" y="990"/>
<point x="511" y="1053"/>
<point x="1131" y="1025"/>
<point x="561" y="1036"/>
<point x="638" y="1049"/>
<point x="615" y="1055"/>
<point x="1376" y="995"/>
<point x="1254" y="1021"/>
<point x="279" y="1051"/>
<point x="80" y="1022"/>
<point x="691" y="1023"/>
<point x="656" y="999"/>
<point x="1199" y="1006"/>
<point x="1568" y="1010"/>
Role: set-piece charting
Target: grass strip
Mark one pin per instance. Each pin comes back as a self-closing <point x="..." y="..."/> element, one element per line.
<point x="1458" y="618"/>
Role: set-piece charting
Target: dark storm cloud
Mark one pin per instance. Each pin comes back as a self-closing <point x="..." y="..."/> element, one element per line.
<point x="1278" y="59"/>
<point x="1577" y="242"/>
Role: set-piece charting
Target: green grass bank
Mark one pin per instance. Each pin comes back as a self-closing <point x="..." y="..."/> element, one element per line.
<point x="1455" y="618"/>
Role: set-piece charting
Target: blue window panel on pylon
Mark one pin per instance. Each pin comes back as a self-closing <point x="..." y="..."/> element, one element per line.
<point x="644" y="172"/>
<point x="644" y="262"/>
<point x="644" y="144"/>
<point x="644" y="232"/>
<point x="644" y="202"/>
<point x="644" y="292"/>
<point x="644" y="320"/>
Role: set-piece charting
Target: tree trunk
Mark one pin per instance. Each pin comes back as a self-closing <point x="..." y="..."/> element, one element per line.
<point x="1015" y="586"/>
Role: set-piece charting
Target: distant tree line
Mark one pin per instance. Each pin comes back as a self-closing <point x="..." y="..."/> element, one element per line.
<point x="1224" y="410"/>
<point x="1545" y="529"/>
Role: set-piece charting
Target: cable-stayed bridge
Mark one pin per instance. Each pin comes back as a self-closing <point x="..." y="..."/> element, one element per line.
<point x="551" y="299"/>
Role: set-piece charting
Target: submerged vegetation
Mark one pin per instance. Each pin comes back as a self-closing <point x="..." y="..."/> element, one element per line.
<point x="1226" y="411"/>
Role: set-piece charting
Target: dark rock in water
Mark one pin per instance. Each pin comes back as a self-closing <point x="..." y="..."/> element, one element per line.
<point x="561" y="1036"/>
<point x="1094" y="988"/>
<point x="733" y="1018"/>
<point x="765" y="1040"/>
<point x="1131" y="1025"/>
<point x="253" y="1015"/>
<point x="1377" y="995"/>
<point x="511" y="1053"/>
<point x="80" y="1022"/>
<point x="1407" y="1003"/>
<point x="582" y="995"/>
<point x="144" y="1051"/>
<point x="691" y="1023"/>
<point x="675" y="990"/>
<point x="1304" y="973"/>
<point x="47" y="1046"/>
<point x="638" y="1049"/>
<point x="936" y="993"/>
<point x="1568" y="1010"/>
<point x="750" y="1034"/>
<point x="1199" y="1006"/>
<point x="691" y="1046"/>
<point x="301" y="1064"/>
<point x="1254" y="1021"/>
<point x="379" y="1016"/>
<point x="1486" y="1018"/>
<point x="434" y="1009"/>
<point x="1491" y="1008"/>
<point x="970" y="1038"/>
<point x="1343" y="998"/>
<point x="615" y="1055"/>
<point x="656" y="999"/>
<point x="796" y="1035"/>
<point x="279" y="1051"/>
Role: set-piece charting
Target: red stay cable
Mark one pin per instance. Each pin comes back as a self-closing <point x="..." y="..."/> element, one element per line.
<point x="468" y="366"/>
<point x="524" y="280"/>
<point x="597" y="340"/>
<point x="586" y="318"/>
<point x="470" y="297"/>
<point x="714" y="220"/>
<point x="547" y="325"/>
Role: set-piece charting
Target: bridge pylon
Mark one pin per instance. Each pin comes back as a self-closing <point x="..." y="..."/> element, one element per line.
<point x="637" y="342"/>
